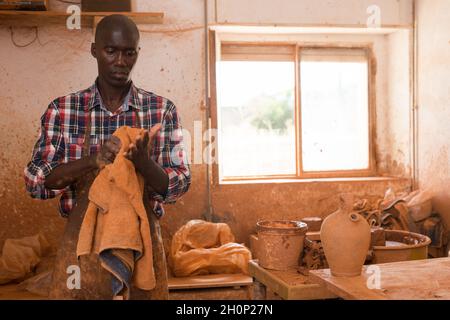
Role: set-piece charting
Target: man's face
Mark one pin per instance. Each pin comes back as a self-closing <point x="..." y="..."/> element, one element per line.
<point x="116" y="52"/>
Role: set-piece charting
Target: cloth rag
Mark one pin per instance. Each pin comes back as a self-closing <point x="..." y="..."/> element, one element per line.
<point x="116" y="225"/>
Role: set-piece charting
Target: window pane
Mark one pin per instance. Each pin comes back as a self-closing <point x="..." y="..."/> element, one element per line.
<point x="256" y="118"/>
<point x="334" y="106"/>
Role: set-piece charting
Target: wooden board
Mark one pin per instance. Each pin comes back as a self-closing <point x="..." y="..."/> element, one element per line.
<point x="105" y="5"/>
<point x="209" y="281"/>
<point x="417" y="279"/>
<point x="36" y="18"/>
<point x="289" y="285"/>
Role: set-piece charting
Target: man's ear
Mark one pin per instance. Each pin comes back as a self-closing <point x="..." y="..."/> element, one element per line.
<point x="93" y="51"/>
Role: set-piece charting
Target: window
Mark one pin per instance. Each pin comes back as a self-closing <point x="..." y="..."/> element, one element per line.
<point x="287" y="111"/>
<point x="334" y="110"/>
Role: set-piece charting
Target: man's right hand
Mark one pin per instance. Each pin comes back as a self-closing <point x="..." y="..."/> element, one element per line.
<point x="67" y="173"/>
<point x="108" y="152"/>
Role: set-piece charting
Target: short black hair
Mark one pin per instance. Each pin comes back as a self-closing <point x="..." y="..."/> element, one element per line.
<point x="114" y="22"/>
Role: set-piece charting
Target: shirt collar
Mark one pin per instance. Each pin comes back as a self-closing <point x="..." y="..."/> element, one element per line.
<point x="131" y="99"/>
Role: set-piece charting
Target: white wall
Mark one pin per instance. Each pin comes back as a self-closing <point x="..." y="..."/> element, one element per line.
<point x="434" y="100"/>
<point x="316" y="12"/>
<point x="397" y="104"/>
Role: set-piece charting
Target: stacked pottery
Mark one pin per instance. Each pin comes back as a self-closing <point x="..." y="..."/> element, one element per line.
<point x="345" y="237"/>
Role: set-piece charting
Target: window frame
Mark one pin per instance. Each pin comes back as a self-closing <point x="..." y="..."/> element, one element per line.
<point x="215" y="49"/>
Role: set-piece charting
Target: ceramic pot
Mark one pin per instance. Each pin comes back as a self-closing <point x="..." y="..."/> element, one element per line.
<point x="313" y="223"/>
<point x="345" y="237"/>
<point x="395" y="248"/>
<point x="279" y="244"/>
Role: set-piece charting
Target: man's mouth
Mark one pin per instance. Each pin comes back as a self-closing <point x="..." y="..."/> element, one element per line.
<point x="120" y="74"/>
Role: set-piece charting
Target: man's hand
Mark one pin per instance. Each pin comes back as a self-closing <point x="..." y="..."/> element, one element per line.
<point x="108" y="152"/>
<point x="67" y="173"/>
<point x="139" y="152"/>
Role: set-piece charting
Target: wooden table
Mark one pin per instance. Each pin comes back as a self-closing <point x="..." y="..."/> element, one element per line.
<point x="288" y="285"/>
<point x="417" y="279"/>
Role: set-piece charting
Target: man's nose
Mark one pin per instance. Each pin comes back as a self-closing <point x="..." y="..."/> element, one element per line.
<point x="120" y="60"/>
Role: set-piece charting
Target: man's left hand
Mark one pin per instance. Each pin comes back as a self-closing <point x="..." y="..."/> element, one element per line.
<point x="140" y="152"/>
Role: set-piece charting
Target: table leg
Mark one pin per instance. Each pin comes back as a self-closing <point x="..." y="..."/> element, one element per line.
<point x="259" y="290"/>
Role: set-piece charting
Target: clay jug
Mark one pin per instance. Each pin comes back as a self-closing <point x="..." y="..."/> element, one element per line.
<point x="345" y="237"/>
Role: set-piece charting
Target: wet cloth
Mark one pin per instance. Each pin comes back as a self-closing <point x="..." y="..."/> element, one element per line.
<point x="116" y="225"/>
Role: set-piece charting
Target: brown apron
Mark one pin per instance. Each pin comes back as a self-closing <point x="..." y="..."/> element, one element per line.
<point x="95" y="280"/>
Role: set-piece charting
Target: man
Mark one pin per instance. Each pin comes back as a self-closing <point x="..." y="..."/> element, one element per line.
<point x="76" y="141"/>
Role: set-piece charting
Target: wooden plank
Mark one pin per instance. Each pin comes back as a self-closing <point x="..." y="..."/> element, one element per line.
<point x="35" y="18"/>
<point x="213" y="58"/>
<point x="298" y="115"/>
<point x="24" y="5"/>
<point x="289" y="284"/>
<point x="417" y="279"/>
<point x="340" y="285"/>
<point x="209" y="281"/>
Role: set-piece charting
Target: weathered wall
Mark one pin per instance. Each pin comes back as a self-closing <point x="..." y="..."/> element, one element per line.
<point x="434" y="101"/>
<point x="171" y="64"/>
<point x="394" y="139"/>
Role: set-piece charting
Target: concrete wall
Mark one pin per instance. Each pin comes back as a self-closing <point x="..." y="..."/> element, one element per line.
<point x="171" y="64"/>
<point x="434" y="101"/>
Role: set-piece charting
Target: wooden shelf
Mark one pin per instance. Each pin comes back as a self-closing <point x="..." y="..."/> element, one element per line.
<point x="36" y="18"/>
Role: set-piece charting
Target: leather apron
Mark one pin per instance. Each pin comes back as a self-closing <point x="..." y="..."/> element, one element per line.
<point x="95" y="281"/>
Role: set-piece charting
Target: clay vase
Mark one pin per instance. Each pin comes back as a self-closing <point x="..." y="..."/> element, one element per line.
<point x="345" y="237"/>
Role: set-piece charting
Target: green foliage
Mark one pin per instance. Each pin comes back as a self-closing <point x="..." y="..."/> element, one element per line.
<point x="273" y="112"/>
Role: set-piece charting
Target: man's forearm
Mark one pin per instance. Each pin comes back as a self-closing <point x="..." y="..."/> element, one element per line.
<point x="155" y="177"/>
<point x="67" y="173"/>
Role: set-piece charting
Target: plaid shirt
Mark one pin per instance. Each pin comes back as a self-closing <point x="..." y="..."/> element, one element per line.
<point x="62" y="133"/>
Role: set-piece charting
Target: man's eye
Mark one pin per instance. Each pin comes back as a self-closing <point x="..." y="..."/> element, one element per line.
<point x="131" y="52"/>
<point x="109" y="50"/>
